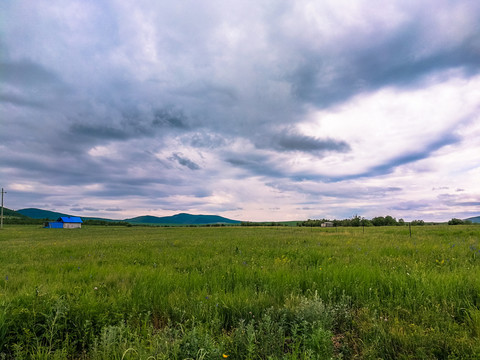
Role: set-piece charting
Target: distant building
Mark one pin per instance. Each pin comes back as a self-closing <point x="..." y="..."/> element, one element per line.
<point x="327" y="224"/>
<point x="65" y="222"/>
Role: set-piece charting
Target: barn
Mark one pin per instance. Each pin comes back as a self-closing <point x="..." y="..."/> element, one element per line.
<point x="327" y="224"/>
<point x="65" y="222"/>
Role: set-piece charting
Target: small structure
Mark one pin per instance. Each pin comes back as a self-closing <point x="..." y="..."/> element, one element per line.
<point x="327" y="224"/>
<point x="65" y="222"/>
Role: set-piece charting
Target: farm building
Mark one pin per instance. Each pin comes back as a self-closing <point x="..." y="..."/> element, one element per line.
<point x="327" y="224"/>
<point x="65" y="222"/>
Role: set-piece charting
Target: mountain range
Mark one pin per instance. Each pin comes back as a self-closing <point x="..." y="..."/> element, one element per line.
<point x="178" y="219"/>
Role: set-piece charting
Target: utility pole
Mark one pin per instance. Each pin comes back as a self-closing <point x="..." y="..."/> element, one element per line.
<point x="1" y="213"/>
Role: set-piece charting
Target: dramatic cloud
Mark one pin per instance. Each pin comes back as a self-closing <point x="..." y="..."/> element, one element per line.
<point x="184" y="161"/>
<point x="252" y="110"/>
<point x="292" y="141"/>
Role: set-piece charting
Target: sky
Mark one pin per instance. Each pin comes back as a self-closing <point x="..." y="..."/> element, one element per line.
<point x="254" y="110"/>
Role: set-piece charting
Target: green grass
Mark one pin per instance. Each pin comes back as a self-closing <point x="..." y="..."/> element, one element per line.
<point x="246" y="292"/>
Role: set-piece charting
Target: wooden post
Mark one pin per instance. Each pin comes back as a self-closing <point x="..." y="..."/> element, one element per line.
<point x="1" y="211"/>
<point x="410" y="229"/>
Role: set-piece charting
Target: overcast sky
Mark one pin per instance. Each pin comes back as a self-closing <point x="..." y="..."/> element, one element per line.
<point x="253" y="110"/>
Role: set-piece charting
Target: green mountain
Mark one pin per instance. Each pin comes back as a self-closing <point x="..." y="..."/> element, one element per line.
<point x="12" y="214"/>
<point x="41" y="214"/>
<point x="475" y="219"/>
<point x="179" y="219"/>
<point x="52" y="215"/>
<point x="15" y="218"/>
<point x="182" y="219"/>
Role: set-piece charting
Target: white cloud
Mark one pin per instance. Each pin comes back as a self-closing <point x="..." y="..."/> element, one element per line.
<point x="381" y="125"/>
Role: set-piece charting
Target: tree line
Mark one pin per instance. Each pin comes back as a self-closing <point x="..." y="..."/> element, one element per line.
<point x="456" y="221"/>
<point x="376" y="221"/>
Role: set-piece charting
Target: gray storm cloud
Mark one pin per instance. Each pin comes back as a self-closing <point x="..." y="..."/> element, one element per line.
<point x="130" y="90"/>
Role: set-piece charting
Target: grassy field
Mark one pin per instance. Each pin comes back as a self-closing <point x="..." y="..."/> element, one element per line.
<point x="241" y="293"/>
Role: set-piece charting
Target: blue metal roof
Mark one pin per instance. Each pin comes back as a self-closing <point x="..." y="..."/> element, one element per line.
<point x="70" y="219"/>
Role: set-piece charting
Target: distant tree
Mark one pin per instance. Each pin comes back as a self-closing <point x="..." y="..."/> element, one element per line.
<point x="312" y="223"/>
<point x="366" y="222"/>
<point x="355" y="221"/>
<point x="104" y="223"/>
<point x="390" y="221"/>
<point x="337" y="223"/>
<point x="378" y="221"/>
<point x="417" y="223"/>
<point x="401" y="222"/>
<point x="456" y="221"/>
<point x="22" y="221"/>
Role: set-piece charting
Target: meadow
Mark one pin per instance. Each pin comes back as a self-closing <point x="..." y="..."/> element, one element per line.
<point x="240" y="293"/>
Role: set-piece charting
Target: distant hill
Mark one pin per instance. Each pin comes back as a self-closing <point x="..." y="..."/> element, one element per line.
<point x="41" y="214"/>
<point x="179" y="219"/>
<point x="182" y="219"/>
<point x="475" y="219"/>
<point x="12" y="213"/>
<point x="15" y="218"/>
<point x="35" y="213"/>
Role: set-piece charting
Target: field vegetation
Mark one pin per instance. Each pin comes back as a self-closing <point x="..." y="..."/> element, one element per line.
<point x="240" y="293"/>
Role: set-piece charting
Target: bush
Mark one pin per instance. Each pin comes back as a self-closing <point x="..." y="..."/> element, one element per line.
<point x="456" y="221"/>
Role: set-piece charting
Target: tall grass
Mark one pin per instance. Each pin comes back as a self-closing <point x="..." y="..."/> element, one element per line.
<point x="245" y="293"/>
